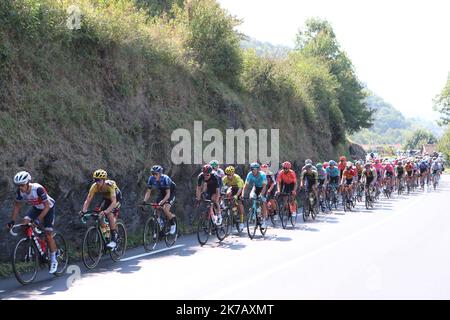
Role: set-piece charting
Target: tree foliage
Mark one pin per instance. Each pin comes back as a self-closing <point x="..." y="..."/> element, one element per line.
<point x="319" y="40"/>
<point x="418" y="138"/>
<point x="442" y="103"/>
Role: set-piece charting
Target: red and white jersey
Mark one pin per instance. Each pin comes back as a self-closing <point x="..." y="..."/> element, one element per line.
<point x="37" y="196"/>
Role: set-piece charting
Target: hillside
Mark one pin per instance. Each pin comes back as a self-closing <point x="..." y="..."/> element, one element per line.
<point x="390" y="126"/>
<point x="106" y="89"/>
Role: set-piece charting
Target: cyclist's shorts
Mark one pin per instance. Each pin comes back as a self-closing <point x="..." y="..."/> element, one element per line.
<point x="321" y="182"/>
<point x="422" y="170"/>
<point x="389" y="174"/>
<point x="369" y="180"/>
<point x="49" y="219"/>
<point x="409" y="173"/>
<point x="287" y="188"/>
<point x="258" y="191"/>
<point x="106" y="203"/>
<point x="348" y="181"/>
<point x="171" y="199"/>
<point x="233" y="190"/>
<point x="334" y="180"/>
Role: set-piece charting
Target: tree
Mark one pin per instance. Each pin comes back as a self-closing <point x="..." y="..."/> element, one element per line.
<point x="212" y="39"/>
<point x="318" y="40"/>
<point x="442" y="103"/>
<point x="444" y="144"/>
<point x="418" y="138"/>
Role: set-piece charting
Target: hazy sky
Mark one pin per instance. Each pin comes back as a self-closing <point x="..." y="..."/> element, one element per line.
<point x="400" y="48"/>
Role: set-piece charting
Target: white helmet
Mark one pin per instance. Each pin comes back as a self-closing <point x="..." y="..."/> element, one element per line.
<point x="22" y="177"/>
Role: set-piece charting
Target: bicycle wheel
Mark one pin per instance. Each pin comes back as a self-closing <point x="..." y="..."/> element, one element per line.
<point x="203" y="229"/>
<point x="170" y="239"/>
<point x="221" y="231"/>
<point x="151" y="234"/>
<point x="230" y="223"/>
<point x="62" y="254"/>
<point x="345" y="202"/>
<point x="25" y="261"/>
<point x="284" y="215"/>
<point x="314" y="212"/>
<point x="252" y="224"/>
<point x="92" y="248"/>
<point x="305" y="211"/>
<point x="121" y="246"/>
<point x="261" y="229"/>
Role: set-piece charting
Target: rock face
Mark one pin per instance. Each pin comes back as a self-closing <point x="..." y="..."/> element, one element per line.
<point x="356" y="151"/>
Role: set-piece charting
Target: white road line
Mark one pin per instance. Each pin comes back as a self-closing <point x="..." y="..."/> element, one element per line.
<point x="227" y="291"/>
<point x="153" y="252"/>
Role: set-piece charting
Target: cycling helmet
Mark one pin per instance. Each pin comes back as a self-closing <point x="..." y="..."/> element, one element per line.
<point x="229" y="170"/>
<point x="207" y="169"/>
<point x="332" y="163"/>
<point x="157" y="169"/>
<point x="22" y="177"/>
<point x="367" y="165"/>
<point x="319" y="165"/>
<point x="342" y="158"/>
<point x="214" y="163"/>
<point x="254" y="165"/>
<point x="349" y="165"/>
<point x="286" y="165"/>
<point x="308" y="161"/>
<point x="264" y="167"/>
<point x="100" y="174"/>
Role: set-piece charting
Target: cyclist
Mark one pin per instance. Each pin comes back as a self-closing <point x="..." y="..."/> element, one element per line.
<point x="235" y="185"/>
<point x="166" y="197"/>
<point x="309" y="177"/>
<point x="256" y="178"/>
<point x="271" y="188"/>
<point x="216" y="168"/>
<point x="322" y="176"/>
<point x="210" y="183"/>
<point x="399" y="172"/>
<point x="348" y="176"/>
<point x="287" y="183"/>
<point x="369" y="176"/>
<point x="409" y="171"/>
<point x="42" y="212"/>
<point x="110" y="204"/>
<point x="342" y="165"/>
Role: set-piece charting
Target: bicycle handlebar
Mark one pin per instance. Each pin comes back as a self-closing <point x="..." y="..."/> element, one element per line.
<point x="35" y="229"/>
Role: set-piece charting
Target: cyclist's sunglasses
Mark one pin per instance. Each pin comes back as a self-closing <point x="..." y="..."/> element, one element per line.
<point x="154" y="174"/>
<point x="98" y="180"/>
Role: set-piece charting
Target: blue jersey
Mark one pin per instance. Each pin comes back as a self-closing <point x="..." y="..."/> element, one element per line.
<point x="333" y="172"/>
<point x="164" y="183"/>
<point x="257" y="181"/>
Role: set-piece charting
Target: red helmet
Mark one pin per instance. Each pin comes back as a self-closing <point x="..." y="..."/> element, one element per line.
<point x="264" y="167"/>
<point x="207" y="168"/>
<point x="286" y="165"/>
<point x="342" y="158"/>
<point x="325" y="165"/>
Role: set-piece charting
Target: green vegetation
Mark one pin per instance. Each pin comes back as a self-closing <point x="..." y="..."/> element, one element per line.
<point x="418" y="138"/>
<point x="389" y="125"/>
<point x="109" y="93"/>
<point x="444" y="144"/>
<point x="442" y="103"/>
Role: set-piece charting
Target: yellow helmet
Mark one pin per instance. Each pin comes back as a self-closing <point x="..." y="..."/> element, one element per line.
<point x="229" y="170"/>
<point x="100" y="174"/>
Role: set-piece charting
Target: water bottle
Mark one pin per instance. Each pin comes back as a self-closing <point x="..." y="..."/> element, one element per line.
<point x="105" y="230"/>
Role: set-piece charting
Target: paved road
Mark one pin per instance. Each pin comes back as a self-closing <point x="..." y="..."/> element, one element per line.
<point x="399" y="250"/>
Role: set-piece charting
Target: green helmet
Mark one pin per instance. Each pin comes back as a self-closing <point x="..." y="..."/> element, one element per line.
<point x="319" y="165"/>
<point x="214" y="163"/>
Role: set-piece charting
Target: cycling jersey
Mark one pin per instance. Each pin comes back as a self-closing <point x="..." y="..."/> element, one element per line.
<point x="37" y="196"/>
<point x="349" y="174"/>
<point x="163" y="184"/>
<point x="333" y="172"/>
<point x="108" y="191"/>
<point x="286" y="177"/>
<point x="322" y="174"/>
<point x="219" y="172"/>
<point x="389" y="168"/>
<point x="235" y="181"/>
<point x="257" y="181"/>
<point x="408" y="167"/>
<point x="212" y="182"/>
